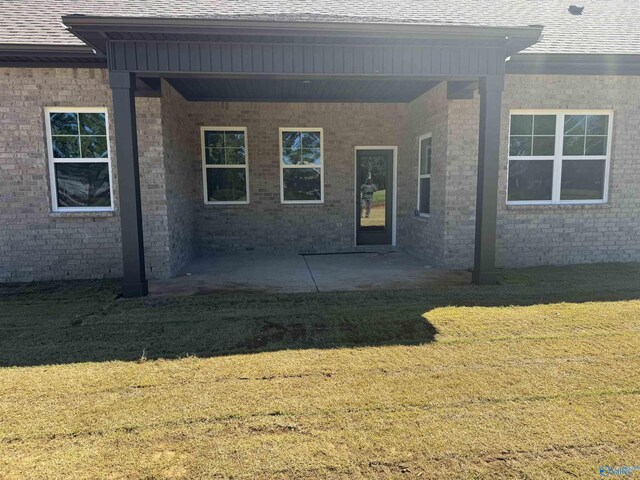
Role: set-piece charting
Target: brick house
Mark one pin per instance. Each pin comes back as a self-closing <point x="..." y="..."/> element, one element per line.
<point x="137" y="135"/>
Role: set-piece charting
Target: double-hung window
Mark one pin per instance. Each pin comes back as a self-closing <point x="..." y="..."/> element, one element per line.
<point x="301" y="165"/>
<point x="225" y="174"/>
<point x="79" y="160"/>
<point x="559" y="157"/>
<point x="424" y="174"/>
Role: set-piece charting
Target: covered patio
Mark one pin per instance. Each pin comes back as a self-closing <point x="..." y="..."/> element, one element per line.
<point x="392" y="270"/>
<point x="258" y="61"/>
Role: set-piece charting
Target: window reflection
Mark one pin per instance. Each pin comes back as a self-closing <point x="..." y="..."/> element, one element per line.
<point x="372" y="174"/>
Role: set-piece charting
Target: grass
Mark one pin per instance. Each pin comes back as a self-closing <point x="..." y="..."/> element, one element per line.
<point x="377" y="214"/>
<point x="535" y="378"/>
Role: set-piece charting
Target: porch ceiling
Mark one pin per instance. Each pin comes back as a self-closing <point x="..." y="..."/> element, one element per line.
<point x="301" y="90"/>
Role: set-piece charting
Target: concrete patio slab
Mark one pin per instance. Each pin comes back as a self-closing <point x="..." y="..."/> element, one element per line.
<point x="370" y="271"/>
<point x="306" y="273"/>
<point x="268" y="273"/>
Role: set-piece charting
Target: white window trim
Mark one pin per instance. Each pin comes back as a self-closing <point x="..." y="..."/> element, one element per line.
<point x="51" y="161"/>
<point x="206" y="166"/>
<point x="421" y="176"/>
<point x="281" y="130"/>
<point x="558" y="157"/>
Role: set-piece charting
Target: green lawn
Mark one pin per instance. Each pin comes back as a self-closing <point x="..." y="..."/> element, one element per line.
<point x="379" y="197"/>
<point x="538" y="377"/>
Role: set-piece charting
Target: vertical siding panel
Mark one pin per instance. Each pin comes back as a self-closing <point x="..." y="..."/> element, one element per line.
<point x="406" y="60"/>
<point x="236" y="58"/>
<point x="183" y="52"/>
<point x="318" y="59"/>
<point x="327" y="55"/>
<point x="445" y="59"/>
<point x="194" y="58"/>
<point x="387" y="59"/>
<point x="257" y="64"/>
<point x="493" y="62"/>
<point x="267" y="58"/>
<point x="278" y="59"/>
<point x="287" y="58"/>
<point x="298" y="59"/>
<point x="152" y="52"/>
<point x="247" y="57"/>
<point x="307" y="56"/>
<point x="130" y="56"/>
<point x="338" y="59"/>
<point x="455" y="60"/>
<point x="141" y="56"/>
<point x="174" y="57"/>
<point x="427" y="53"/>
<point x="377" y="59"/>
<point x="436" y="59"/>
<point x="216" y="58"/>
<point x="397" y="59"/>
<point x="358" y="60"/>
<point x="482" y="60"/>
<point x="348" y="59"/>
<point x="205" y="57"/>
<point x="163" y="57"/>
<point x="120" y="56"/>
<point x="225" y="58"/>
<point x="367" y="59"/>
<point x="464" y="59"/>
<point x="473" y="60"/>
<point x="416" y="60"/>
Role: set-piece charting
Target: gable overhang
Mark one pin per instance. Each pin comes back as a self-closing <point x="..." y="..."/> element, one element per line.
<point x="250" y="47"/>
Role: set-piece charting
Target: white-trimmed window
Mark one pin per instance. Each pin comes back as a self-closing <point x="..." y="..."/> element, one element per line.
<point x="301" y="165"/>
<point x="559" y="157"/>
<point x="79" y="159"/>
<point x="424" y="175"/>
<point x="225" y="165"/>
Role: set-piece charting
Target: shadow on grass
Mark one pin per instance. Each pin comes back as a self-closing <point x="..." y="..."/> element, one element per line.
<point x="69" y="322"/>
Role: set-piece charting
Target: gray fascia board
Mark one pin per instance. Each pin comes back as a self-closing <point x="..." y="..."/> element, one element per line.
<point x="36" y="50"/>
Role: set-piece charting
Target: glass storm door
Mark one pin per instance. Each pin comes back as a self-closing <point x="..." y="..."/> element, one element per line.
<point x="374" y="197"/>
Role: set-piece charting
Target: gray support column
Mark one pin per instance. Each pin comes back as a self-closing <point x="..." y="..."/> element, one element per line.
<point x="124" y="109"/>
<point x="484" y="268"/>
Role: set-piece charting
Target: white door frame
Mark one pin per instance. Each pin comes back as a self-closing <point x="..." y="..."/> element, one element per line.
<point x="394" y="149"/>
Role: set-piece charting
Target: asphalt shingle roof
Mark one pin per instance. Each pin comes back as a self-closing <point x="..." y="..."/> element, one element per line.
<point x="605" y="26"/>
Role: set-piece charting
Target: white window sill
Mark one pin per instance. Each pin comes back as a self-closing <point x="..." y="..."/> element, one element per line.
<point x="558" y="206"/>
<point x="83" y="214"/>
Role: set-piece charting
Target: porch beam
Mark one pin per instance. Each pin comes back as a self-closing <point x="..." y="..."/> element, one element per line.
<point x="259" y="57"/>
<point x="484" y="271"/>
<point x="123" y="86"/>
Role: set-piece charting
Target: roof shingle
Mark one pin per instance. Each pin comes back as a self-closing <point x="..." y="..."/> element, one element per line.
<point x="605" y="26"/>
